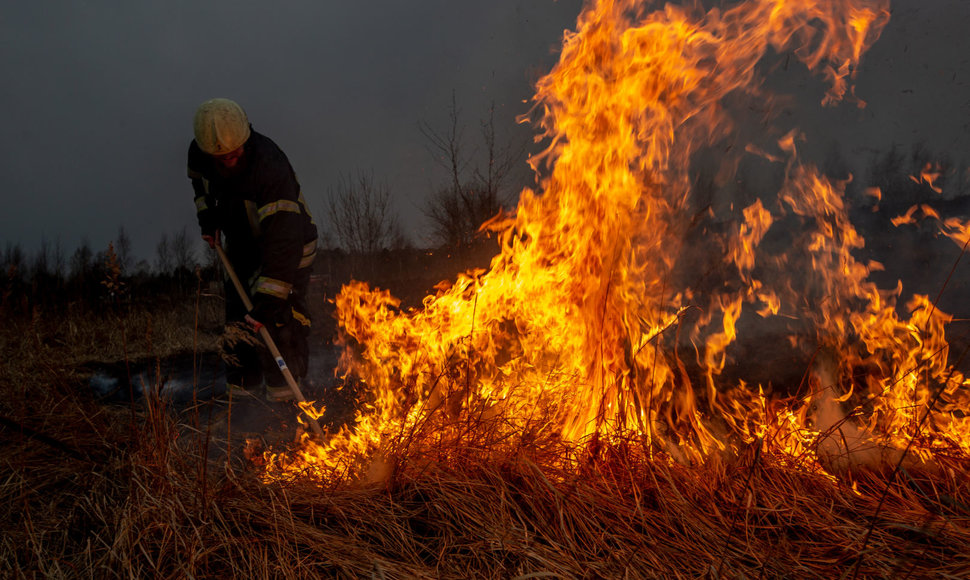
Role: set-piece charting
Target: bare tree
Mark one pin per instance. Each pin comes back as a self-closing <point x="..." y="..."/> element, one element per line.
<point x="182" y="251"/>
<point x="325" y="240"/>
<point x="905" y="182"/>
<point x="500" y="160"/>
<point x="961" y="181"/>
<point x="82" y="260"/>
<point x="14" y="258"/>
<point x="888" y="173"/>
<point x="456" y="214"/>
<point x="58" y="260"/>
<point x="457" y="210"/>
<point x="122" y="247"/>
<point x="361" y="217"/>
<point x="446" y="147"/>
<point x="40" y="267"/>
<point x="12" y="278"/>
<point x="164" y="262"/>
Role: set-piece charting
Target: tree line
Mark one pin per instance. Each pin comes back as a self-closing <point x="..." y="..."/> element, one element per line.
<point x="52" y="281"/>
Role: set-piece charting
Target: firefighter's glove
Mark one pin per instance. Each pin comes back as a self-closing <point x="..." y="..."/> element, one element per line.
<point x="211" y="238"/>
<point x="269" y="312"/>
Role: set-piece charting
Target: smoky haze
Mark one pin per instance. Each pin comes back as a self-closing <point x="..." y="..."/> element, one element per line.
<point x="98" y="97"/>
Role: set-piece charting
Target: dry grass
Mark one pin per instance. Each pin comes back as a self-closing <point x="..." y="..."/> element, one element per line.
<point x="102" y="492"/>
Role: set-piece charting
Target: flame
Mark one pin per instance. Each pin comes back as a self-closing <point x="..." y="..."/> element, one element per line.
<point x="929" y="175"/>
<point x="594" y="321"/>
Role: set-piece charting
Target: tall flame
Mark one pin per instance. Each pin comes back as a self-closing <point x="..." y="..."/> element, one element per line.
<point x="579" y="329"/>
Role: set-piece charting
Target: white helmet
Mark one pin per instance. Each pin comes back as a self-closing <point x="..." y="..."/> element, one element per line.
<point x="220" y="126"/>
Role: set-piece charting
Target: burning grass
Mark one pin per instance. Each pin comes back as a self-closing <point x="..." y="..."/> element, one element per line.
<point x="91" y="494"/>
<point x="109" y="501"/>
<point x="108" y="491"/>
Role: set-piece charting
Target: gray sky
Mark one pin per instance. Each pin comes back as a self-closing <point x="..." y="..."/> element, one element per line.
<point x="98" y="96"/>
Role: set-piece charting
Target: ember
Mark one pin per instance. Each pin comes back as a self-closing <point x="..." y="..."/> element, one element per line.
<point x="590" y="328"/>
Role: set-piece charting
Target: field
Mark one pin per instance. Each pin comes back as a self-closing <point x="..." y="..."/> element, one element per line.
<point x="99" y="490"/>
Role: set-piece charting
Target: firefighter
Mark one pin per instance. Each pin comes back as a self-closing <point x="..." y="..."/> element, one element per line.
<point x="247" y="193"/>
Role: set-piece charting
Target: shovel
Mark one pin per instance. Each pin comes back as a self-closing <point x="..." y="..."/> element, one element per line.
<point x="264" y="334"/>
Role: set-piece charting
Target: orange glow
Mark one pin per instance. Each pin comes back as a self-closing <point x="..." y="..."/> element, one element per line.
<point x="589" y="324"/>
<point x="930" y="173"/>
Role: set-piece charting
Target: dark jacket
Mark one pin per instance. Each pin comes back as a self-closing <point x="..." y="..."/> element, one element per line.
<point x="270" y="236"/>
